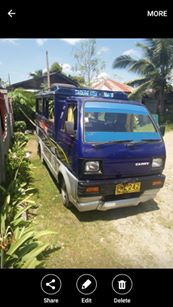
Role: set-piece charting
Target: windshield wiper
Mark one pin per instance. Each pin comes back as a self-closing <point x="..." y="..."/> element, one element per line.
<point x="113" y="142"/>
<point x="119" y="141"/>
<point x="150" y="140"/>
<point x="144" y="141"/>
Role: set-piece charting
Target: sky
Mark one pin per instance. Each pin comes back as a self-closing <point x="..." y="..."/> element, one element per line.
<point x="19" y="57"/>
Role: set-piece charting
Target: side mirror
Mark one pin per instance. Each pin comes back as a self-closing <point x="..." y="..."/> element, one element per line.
<point x="162" y="130"/>
<point x="69" y="128"/>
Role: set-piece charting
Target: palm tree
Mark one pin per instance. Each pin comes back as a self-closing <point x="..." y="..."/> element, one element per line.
<point x="155" y="68"/>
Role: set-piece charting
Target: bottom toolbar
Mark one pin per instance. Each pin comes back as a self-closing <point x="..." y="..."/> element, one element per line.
<point x="106" y="287"/>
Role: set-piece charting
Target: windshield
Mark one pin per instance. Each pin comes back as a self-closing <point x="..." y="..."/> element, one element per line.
<point x="108" y="122"/>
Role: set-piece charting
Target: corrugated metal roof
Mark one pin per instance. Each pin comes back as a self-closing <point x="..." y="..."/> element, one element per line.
<point x="112" y="85"/>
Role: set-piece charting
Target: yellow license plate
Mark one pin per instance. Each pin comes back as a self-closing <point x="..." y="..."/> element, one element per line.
<point x="124" y="188"/>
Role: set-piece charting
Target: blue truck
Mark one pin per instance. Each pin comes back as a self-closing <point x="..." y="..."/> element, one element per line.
<point x="104" y="150"/>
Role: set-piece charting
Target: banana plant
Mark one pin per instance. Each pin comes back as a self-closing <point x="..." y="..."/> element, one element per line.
<point x="20" y="244"/>
<point x="19" y="241"/>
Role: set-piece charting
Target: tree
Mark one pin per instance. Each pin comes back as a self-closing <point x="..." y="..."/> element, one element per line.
<point x="155" y="68"/>
<point x="3" y="83"/>
<point x="37" y="74"/>
<point x="56" y="67"/>
<point x="78" y="79"/>
<point x="88" y="63"/>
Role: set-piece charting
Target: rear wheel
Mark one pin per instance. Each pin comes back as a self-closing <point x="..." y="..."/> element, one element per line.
<point x="65" y="196"/>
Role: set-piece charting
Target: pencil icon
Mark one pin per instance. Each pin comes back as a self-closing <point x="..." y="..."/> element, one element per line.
<point x="86" y="284"/>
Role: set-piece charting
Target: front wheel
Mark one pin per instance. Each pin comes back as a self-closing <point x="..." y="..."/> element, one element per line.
<point x="65" y="196"/>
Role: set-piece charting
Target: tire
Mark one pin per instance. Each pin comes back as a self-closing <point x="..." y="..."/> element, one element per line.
<point x="65" y="197"/>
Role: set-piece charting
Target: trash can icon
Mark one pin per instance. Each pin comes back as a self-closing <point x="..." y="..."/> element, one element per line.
<point x="122" y="284"/>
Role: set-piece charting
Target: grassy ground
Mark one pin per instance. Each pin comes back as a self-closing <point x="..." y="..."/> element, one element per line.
<point x="80" y="235"/>
<point x="169" y="127"/>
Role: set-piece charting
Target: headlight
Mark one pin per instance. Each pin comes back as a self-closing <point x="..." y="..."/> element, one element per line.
<point x="157" y="162"/>
<point x="92" y="167"/>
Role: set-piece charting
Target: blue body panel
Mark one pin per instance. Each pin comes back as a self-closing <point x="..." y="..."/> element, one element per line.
<point x="119" y="159"/>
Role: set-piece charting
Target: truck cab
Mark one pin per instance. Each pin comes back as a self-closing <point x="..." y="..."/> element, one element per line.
<point x="104" y="150"/>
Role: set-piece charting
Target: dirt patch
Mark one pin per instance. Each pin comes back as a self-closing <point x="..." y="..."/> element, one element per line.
<point x="32" y="146"/>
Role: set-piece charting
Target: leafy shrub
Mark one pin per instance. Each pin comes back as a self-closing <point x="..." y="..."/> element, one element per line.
<point x="167" y="118"/>
<point x="20" y="245"/>
<point x="23" y="100"/>
<point x="19" y="126"/>
<point x="20" y="137"/>
<point x="17" y="160"/>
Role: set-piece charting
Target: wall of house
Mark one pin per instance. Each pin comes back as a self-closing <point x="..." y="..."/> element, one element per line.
<point x="6" y="130"/>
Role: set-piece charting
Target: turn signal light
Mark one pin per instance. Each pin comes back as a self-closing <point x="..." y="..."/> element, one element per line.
<point x="157" y="182"/>
<point x="92" y="189"/>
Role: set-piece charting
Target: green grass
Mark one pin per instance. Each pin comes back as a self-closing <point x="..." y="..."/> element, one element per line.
<point x="81" y="236"/>
<point x="169" y="127"/>
<point x="144" y="128"/>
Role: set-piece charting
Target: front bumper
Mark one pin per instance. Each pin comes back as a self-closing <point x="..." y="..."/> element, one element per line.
<point x="106" y="199"/>
<point x="93" y="203"/>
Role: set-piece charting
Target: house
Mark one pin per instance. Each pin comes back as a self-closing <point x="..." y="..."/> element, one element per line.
<point x="6" y="129"/>
<point x="112" y="85"/>
<point x="36" y="84"/>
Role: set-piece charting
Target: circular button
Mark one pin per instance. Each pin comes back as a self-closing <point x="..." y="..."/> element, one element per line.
<point x="51" y="284"/>
<point x="122" y="284"/>
<point x="86" y="284"/>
